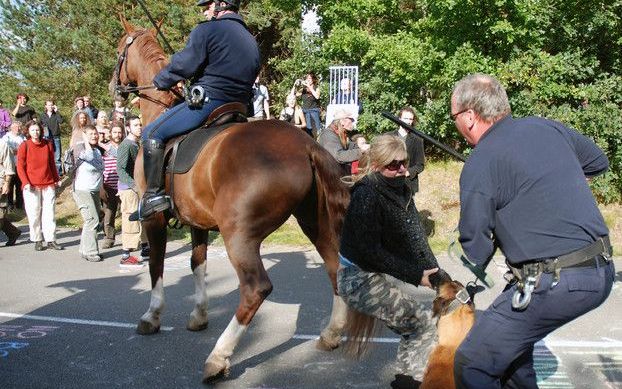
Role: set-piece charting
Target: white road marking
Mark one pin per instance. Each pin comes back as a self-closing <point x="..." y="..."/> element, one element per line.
<point x="75" y="321"/>
<point x="542" y="344"/>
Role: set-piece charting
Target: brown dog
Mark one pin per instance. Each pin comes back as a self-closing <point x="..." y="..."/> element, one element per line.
<point x="455" y="321"/>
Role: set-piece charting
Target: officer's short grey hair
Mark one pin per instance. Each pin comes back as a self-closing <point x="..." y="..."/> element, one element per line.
<point x="484" y="95"/>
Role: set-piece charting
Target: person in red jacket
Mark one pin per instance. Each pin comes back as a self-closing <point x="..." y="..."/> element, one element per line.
<point x="36" y="169"/>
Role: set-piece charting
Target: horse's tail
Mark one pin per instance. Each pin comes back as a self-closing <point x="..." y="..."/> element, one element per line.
<point x="360" y="329"/>
<point x="333" y="196"/>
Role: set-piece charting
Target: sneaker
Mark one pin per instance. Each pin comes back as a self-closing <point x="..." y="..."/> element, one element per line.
<point x="39" y="246"/>
<point x="93" y="258"/>
<point x="130" y="262"/>
<point x="55" y="246"/>
<point x="13" y="239"/>
<point x="144" y="253"/>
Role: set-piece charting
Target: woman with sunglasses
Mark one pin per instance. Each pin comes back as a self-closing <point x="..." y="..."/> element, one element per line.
<point x="383" y="249"/>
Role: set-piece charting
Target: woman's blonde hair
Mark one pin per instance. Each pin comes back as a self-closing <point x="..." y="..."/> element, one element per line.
<point x="383" y="150"/>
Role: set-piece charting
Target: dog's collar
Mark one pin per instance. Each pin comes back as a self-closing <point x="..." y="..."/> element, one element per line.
<point x="462" y="298"/>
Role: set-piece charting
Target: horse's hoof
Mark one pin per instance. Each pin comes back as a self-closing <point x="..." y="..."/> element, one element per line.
<point x="196" y="325"/>
<point x="146" y="328"/>
<point x="215" y="370"/>
<point x="325" y="344"/>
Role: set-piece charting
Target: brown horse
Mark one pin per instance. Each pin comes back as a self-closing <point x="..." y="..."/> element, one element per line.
<point x="245" y="183"/>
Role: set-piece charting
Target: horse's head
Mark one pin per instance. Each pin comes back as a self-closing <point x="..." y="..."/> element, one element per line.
<point x="139" y="57"/>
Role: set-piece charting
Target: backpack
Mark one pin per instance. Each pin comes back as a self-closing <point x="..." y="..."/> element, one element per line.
<point x="70" y="165"/>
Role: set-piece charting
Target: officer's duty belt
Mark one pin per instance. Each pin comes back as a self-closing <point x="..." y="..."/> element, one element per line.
<point x="528" y="274"/>
<point x="593" y="255"/>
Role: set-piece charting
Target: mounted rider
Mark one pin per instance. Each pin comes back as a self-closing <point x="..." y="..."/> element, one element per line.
<point x="221" y="57"/>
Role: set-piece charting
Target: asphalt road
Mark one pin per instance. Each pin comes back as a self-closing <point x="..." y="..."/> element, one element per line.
<point x="68" y="323"/>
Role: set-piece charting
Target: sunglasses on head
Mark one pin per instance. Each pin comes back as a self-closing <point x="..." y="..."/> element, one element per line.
<point x="396" y="164"/>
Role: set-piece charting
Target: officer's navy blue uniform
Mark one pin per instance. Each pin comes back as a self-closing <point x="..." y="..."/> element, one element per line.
<point x="525" y="185"/>
<point x="222" y="56"/>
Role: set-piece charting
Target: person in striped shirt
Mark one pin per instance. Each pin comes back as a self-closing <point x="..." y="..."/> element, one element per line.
<point x="109" y="189"/>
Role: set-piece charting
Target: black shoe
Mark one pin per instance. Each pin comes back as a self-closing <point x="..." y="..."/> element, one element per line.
<point x="403" y="381"/>
<point x="152" y="204"/>
<point x="93" y="258"/>
<point x="107" y="243"/>
<point x="144" y="253"/>
<point x="39" y="246"/>
<point x="13" y="239"/>
<point x="55" y="246"/>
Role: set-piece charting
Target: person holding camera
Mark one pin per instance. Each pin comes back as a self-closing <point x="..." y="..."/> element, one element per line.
<point x="23" y="112"/>
<point x="309" y="92"/>
<point x="261" y="102"/>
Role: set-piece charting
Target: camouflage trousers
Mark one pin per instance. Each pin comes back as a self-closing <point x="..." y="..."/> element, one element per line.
<point x="392" y="301"/>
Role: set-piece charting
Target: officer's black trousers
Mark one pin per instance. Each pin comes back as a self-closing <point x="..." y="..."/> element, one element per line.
<point x="498" y="351"/>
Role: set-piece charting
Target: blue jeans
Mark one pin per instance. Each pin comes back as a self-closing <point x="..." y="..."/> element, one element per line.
<point x="498" y="351"/>
<point x="312" y="116"/>
<point x="179" y="120"/>
<point x="57" y="154"/>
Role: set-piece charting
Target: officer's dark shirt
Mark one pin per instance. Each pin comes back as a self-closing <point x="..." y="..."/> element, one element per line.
<point x="525" y="182"/>
<point x="221" y="55"/>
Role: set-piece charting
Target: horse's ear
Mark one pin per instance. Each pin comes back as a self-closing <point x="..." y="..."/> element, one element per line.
<point x="126" y="25"/>
<point x="158" y="26"/>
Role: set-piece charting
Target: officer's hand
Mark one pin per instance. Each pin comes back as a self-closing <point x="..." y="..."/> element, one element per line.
<point x="425" y="279"/>
<point x="159" y="87"/>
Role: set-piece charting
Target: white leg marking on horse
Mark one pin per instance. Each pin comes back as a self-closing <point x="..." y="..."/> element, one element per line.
<point x="330" y="336"/>
<point x="200" y="293"/>
<point x="156" y="305"/>
<point x="337" y="315"/>
<point x="228" y="340"/>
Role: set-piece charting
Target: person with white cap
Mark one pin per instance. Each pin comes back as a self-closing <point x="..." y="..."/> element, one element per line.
<point x="335" y="140"/>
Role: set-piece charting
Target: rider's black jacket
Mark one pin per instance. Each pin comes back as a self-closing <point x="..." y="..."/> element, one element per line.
<point x="221" y="55"/>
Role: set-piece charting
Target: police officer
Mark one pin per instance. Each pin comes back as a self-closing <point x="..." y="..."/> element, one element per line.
<point x="222" y="57"/>
<point x="524" y="189"/>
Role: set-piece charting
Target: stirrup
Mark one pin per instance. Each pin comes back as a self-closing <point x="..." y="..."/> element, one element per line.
<point x="139" y="214"/>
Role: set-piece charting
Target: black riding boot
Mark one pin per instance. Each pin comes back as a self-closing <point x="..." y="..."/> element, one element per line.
<point x="154" y="200"/>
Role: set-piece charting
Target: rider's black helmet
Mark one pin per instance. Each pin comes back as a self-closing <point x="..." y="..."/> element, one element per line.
<point x="233" y="5"/>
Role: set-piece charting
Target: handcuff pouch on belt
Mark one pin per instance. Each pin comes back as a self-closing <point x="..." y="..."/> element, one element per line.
<point x="195" y="96"/>
<point x="528" y="275"/>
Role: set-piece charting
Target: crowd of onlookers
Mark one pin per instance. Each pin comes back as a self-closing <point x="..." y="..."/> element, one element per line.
<point x="102" y="149"/>
<point x="98" y="164"/>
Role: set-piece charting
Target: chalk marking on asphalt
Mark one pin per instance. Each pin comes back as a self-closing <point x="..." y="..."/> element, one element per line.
<point x="75" y="321"/>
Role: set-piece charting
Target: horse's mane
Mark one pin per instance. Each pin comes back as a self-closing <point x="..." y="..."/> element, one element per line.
<point x="150" y="48"/>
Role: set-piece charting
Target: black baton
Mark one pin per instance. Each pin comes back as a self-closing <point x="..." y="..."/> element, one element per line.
<point x="427" y="137"/>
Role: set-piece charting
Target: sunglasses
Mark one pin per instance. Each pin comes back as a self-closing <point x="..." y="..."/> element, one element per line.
<point x="395" y="165"/>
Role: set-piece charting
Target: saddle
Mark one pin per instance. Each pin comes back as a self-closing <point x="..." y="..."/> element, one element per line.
<point x="181" y="152"/>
